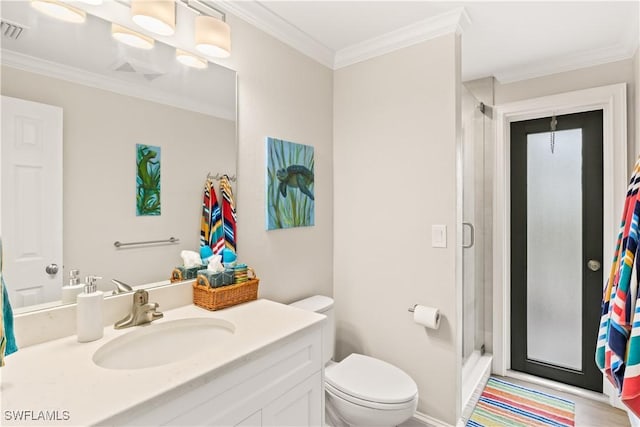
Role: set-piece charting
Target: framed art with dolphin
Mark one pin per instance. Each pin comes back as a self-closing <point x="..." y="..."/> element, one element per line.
<point x="290" y="184"/>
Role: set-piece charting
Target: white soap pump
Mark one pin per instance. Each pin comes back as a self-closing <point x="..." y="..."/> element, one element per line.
<point x="89" y="311"/>
<point x="73" y="289"/>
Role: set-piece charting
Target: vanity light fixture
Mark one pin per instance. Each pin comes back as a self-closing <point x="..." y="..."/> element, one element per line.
<point x="130" y="37"/>
<point x="59" y="10"/>
<point x="191" y="60"/>
<point x="213" y="36"/>
<point x="157" y="16"/>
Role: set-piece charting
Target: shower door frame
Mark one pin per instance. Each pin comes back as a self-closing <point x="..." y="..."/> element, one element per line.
<point x="612" y="100"/>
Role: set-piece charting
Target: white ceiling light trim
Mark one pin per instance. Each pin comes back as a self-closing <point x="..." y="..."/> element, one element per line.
<point x="157" y="16"/>
<point x="130" y="37"/>
<point x="60" y="10"/>
<point x="454" y="21"/>
<point x="213" y="36"/>
<point x="191" y="60"/>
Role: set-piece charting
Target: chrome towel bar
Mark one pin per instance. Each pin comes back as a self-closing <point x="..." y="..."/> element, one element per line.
<point x="170" y="240"/>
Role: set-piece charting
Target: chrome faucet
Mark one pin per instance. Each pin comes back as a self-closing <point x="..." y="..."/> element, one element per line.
<point x="120" y="287"/>
<point x="142" y="311"/>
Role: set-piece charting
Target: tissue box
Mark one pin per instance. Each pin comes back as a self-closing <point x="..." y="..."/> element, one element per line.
<point x="210" y="279"/>
<point x="227" y="276"/>
<point x="183" y="273"/>
<point x="215" y="280"/>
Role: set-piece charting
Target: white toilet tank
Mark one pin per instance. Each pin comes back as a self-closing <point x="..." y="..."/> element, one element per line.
<point x="322" y="305"/>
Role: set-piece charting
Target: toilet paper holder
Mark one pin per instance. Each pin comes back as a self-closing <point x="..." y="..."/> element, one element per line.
<point x="412" y="309"/>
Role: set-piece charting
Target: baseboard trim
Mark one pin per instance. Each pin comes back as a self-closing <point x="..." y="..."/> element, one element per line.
<point x="429" y="421"/>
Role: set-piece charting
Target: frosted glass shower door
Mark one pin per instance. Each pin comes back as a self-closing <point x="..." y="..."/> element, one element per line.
<point x="556" y="247"/>
<point x="554" y="231"/>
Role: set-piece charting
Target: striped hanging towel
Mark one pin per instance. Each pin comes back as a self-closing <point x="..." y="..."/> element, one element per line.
<point x="211" y="233"/>
<point x="618" y="345"/>
<point x="228" y="213"/>
<point x="7" y="337"/>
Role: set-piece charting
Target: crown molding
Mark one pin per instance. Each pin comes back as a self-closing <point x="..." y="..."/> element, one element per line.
<point x="624" y="49"/>
<point x="264" y="19"/>
<point x="566" y="63"/>
<point x="454" y="21"/>
<point x="260" y="17"/>
<point x="76" y="75"/>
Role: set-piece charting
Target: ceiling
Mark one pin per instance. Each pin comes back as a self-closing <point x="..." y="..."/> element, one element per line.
<point x="509" y="40"/>
<point x="87" y="53"/>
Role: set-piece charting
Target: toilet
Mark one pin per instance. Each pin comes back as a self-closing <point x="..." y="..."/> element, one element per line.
<point x="360" y="390"/>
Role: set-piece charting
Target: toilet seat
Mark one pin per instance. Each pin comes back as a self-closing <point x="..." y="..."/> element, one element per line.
<point x="367" y="403"/>
<point x="370" y="382"/>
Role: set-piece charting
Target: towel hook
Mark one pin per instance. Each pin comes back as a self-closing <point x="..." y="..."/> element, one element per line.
<point x="552" y="136"/>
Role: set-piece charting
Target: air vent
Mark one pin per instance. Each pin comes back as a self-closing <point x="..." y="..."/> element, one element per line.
<point x="11" y="30"/>
<point x="147" y="70"/>
<point x="126" y="68"/>
<point x="152" y="76"/>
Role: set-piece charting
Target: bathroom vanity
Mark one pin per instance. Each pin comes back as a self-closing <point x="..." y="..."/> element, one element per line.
<point x="264" y="369"/>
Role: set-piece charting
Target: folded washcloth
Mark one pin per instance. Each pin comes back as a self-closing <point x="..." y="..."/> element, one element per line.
<point x="7" y="337"/>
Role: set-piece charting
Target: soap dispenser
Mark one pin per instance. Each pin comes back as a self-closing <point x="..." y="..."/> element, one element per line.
<point x="89" y="312"/>
<point x="73" y="289"/>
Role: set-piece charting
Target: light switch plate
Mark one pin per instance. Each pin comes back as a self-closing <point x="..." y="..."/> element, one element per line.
<point x="439" y="236"/>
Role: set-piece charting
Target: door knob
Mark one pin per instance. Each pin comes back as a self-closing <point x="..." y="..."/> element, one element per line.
<point x="51" y="269"/>
<point x="593" y="265"/>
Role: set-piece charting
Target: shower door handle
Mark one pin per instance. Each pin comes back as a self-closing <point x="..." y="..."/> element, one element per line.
<point x="473" y="235"/>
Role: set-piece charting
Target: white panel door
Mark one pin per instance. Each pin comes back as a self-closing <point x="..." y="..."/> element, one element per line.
<point x="31" y="200"/>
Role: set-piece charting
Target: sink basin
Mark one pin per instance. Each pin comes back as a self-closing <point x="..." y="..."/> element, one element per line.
<point x="158" y="344"/>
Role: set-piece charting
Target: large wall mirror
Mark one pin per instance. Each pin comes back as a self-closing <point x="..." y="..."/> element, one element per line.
<point x="111" y="98"/>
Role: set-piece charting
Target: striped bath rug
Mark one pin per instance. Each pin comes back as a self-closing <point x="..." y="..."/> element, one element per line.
<point x="507" y="404"/>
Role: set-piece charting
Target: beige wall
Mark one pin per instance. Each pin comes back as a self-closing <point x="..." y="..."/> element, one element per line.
<point x="285" y="95"/>
<point x="395" y="120"/>
<point x="600" y="75"/>
<point x="101" y="130"/>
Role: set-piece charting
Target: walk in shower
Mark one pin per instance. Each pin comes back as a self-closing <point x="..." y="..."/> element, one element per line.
<point x="476" y="245"/>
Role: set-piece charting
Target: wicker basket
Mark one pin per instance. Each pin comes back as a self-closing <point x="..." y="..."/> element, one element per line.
<point x="226" y="296"/>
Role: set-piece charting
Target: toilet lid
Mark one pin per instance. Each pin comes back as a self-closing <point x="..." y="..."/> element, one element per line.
<point x="371" y="379"/>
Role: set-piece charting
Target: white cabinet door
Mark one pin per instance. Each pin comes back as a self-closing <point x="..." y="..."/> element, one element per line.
<point x="252" y="420"/>
<point x="31" y="223"/>
<point x="301" y="406"/>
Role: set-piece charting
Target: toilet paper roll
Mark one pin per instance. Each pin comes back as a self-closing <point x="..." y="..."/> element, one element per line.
<point x="427" y="316"/>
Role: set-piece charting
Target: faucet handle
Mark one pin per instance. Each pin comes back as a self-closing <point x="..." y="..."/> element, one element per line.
<point x="120" y="287"/>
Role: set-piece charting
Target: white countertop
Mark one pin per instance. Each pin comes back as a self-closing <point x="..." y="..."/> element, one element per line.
<point x="60" y="375"/>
